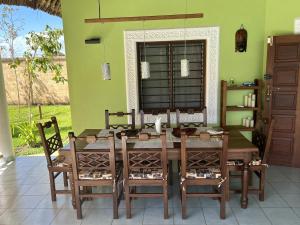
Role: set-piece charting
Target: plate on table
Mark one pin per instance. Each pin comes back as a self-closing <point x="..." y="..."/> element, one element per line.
<point x="128" y="133"/>
<point x="215" y="131"/>
<point x="189" y="131"/>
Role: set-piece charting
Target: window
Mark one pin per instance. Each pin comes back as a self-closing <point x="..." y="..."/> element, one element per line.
<point x="166" y="89"/>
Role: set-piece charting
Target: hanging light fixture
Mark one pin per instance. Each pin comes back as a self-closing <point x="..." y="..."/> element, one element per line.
<point x="145" y="66"/>
<point x="105" y="67"/>
<point x="185" y="63"/>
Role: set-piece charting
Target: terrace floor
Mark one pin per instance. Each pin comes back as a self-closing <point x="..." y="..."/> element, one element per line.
<point x="25" y="199"/>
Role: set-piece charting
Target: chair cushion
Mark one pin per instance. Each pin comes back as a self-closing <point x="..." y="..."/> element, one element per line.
<point x="95" y="175"/>
<point x="59" y="161"/>
<point x="144" y="173"/>
<point x="235" y="163"/>
<point x="209" y="173"/>
<point x="255" y="162"/>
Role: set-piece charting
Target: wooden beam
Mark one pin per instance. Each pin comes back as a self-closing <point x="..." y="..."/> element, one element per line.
<point x="144" y="18"/>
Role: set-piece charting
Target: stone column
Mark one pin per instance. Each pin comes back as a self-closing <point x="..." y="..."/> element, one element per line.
<point x="5" y="133"/>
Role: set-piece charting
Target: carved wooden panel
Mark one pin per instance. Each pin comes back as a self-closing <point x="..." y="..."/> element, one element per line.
<point x="284" y="100"/>
<point x="287" y="52"/>
<point x="286" y="75"/>
<point x="284" y="123"/>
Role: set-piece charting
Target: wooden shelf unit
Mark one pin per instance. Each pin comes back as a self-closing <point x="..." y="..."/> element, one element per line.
<point x="257" y="90"/>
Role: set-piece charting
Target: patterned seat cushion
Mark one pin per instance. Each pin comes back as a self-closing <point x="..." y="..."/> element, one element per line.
<point x="255" y="162"/>
<point x="139" y="174"/>
<point x="95" y="175"/>
<point x="59" y="161"/>
<point x="209" y="173"/>
<point x="235" y="163"/>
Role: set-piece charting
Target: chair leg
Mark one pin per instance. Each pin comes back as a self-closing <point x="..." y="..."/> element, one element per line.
<point x="262" y="185"/>
<point x="183" y="201"/>
<point x="78" y="202"/>
<point x="52" y="186"/>
<point x="223" y="203"/>
<point x="72" y="190"/>
<point x="227" y="184"/>
<point x="115" y="202"/>
<point x="65" y="175"/>
<point x="127" y="201"/>
<point x="165" y="193"/>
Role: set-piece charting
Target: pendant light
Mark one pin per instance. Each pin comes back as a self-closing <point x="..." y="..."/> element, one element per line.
<point x="105" y="67"/>
<point x="185" y="63"/>
<point x="145" y="66"/>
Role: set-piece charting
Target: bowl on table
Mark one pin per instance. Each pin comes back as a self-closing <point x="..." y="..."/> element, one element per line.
<point x="189" y="131"/>
<point x="128" y="133"/>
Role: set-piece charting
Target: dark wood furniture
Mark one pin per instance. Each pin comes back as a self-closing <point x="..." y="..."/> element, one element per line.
<point x="56" y="165"/>
<point x="166" y="124"/>
<point x="109" y="125"/>
<point x="259" y="161"/>
<point x="225" y="108"/>
<point x="191" y="124"/>
<point x="145" y="167"/>
<point x="203" y="167"/>
<point x="239" y="148"/>
<point x="94" y="168"/>
<point x="282" y="98"/>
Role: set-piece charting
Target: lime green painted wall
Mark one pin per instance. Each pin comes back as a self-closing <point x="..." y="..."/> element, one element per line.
<point x="90" y="95"/>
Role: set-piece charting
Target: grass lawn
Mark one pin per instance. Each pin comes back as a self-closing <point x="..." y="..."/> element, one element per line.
<point x="62" y="113"/>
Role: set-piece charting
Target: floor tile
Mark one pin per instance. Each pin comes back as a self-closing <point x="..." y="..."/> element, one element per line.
<point x="14" y="216"/>
<point x="235" y="201"/>
<point x="7" y="201"/>
<point x="282" y="216"/>
<point x="293" y="200"/>
<point x="155" y="216"/>
<point x="137" y="215"/>
<point x="286" y="187"/>
<point x="27" y="202"/>
<point x="62" y="201"/>
<point x="39" y="189"/>
<point x="212" y="217"/>
<point x="297" y="211"/>
<point x="250" y="216"/>
<point x="272" y="201"/>
<point x="66" y="217"/>
<point x="41" y="217"/>
<point x="194" y="217"/>
<point x="97" y="217"/>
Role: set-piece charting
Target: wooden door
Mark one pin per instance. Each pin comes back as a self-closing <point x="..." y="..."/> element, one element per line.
<point x="282" y="100"/>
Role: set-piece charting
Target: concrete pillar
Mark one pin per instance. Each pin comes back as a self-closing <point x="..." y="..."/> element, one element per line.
<point x="5" y="133"/>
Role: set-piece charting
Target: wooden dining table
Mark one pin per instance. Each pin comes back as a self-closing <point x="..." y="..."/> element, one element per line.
<point x="239" y="148"/>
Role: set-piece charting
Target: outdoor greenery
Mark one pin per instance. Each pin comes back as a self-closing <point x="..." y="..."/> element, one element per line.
<point x="24" y="133"/>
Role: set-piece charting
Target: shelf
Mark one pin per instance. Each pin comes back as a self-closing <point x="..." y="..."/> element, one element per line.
<point x="235" y="108"/>
<point x="238" y="127"/>
<point x="242" y="88"/>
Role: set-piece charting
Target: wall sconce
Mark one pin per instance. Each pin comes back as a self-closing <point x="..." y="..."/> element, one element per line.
<point x="106" y="71"/>
<point x="241" y="40"/>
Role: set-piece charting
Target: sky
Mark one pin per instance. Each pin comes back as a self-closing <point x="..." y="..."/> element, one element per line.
<point x="33" y="20"/>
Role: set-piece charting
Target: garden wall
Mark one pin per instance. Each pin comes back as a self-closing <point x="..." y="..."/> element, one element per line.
<point x="45" y="90"/>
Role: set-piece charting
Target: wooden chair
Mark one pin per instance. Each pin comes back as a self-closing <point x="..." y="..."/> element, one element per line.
<point x="108" y="125"/>
<point x="95" y="167"/>
<point x="145" y="167"/>
<point x="191" y="124"/>
<point x="259" y="162"/>
<point x="56" y="165"/>
<point x="166" y="124"/>
<point x="203" y="166"/>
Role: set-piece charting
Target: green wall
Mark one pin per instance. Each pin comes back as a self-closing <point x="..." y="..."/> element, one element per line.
<point x="90" y="95"/>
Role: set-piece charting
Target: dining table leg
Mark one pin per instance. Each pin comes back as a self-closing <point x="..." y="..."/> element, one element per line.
<point x="244" y="198"/>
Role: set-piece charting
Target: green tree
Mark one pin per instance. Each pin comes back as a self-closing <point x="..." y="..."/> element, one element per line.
<point x="39" y="57"/>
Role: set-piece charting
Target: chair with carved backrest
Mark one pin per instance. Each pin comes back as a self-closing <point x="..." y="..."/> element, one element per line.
<point x="191" y="112"/>
<point x="94" y="165"/>
<point x="164" y="124"/>
<point x="56" y="165"/>
<point x="259" y="162"/>
<point x="203" y="163"/>
<point x="145" y="165"/>
<point x="109" y="125"/>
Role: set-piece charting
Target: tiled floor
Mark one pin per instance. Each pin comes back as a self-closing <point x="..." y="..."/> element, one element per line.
<point x="25" y="199"/>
